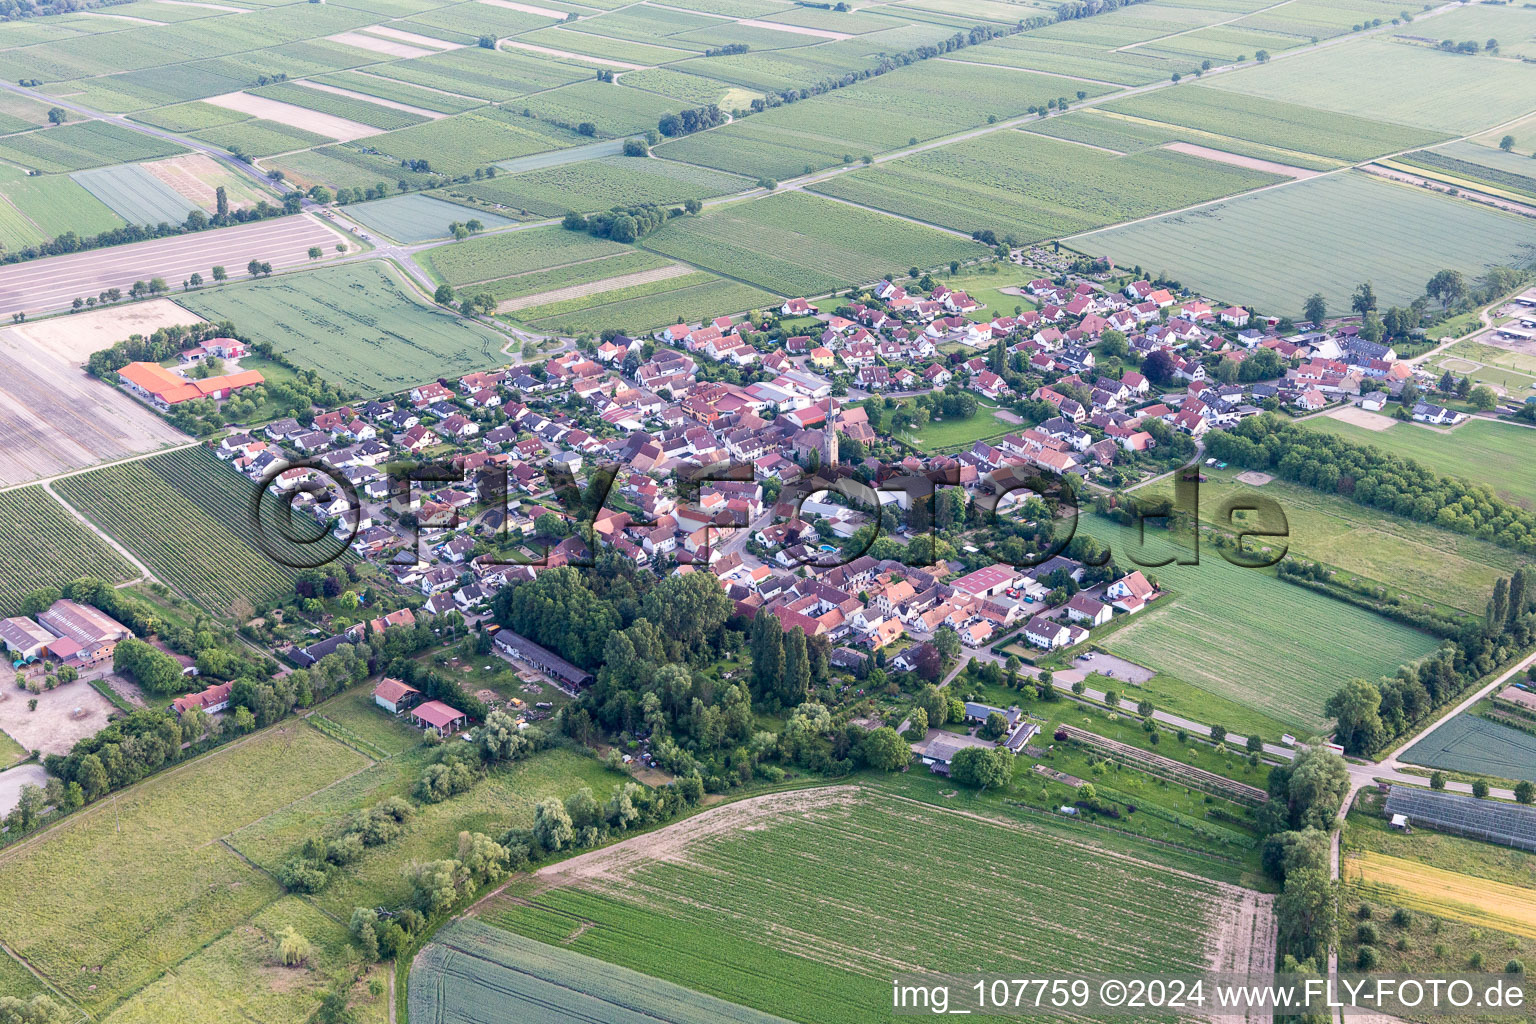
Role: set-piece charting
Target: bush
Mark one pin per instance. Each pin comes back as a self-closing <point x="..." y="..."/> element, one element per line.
<point x="1402" y="918"/>
<point x="1514" y="967"/>
<point x="1366" y="933"/>
<point x="1366" y="959"/>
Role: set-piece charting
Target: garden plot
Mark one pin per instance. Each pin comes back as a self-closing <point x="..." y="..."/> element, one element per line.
<point x="135" y="194"/>
<point x="307" y="120"/>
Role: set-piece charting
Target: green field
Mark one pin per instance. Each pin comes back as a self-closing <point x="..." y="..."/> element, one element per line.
<point x="686" y="299"/>
<point x="1496" y="455"/>
<point x="1392" y="235"/>
<point x="81" y="144"/>
<point x="135" y="194"/>
<point x="602" y="184"/>
<point x="1476" y="746"/>
<point x="358" y="325"/>
<point x="923" y="102"/>
<point x="417" y="217"/>
<point x="808" y="911"/>
<point x="1125" y="134"/>
<point x="187" y="516"/>
<point x="513" y="252"/>
<point x="400" y="92"/>
<point x="1246" y="635"/>
<point x="259" y="137"/>
<point x="473" y="972"/>
<point x="475" y="71"/>
<point x="360" y="111"/>
<point x="1273" y="122"/>
<point x="1385" y="81"/>
<point x="1479" y="165"/>
<point x="533" y="282"/>
<point x="799" y="244"/>
<point x="149" y="883"/>
<point x="1036" y="188"/>
<point x="43" y="545"/>
<point x="503" y="799"/>
<point x="612" y="109"/>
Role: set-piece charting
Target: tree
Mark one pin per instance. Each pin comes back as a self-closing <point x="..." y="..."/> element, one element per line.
<point x="315" y="252"/>
<point x="552" y="828"/>
<point x="292" y="948"/>
<point x="1307" y="913"/>
<point x="1357" y="706"/>
<point x="221" y="202"/>
<point x="1437" y="780"/>
<point x="883" y="750"/>
<point x="57" y="115"/>
<point x="38" y="1010"/>
<point x="444" y="295"/>
<point x="1483" y="399"/>
<point x="1507" y="143"/>
<point x="1364" y="299"/>
<point x="1525" y="792"/>
<point x="995" y="725"/>
<point x="1480" y="788"/>
<point x="253" y="268"/>
<point x="220" y="274"/>
<point x="1448" y="286"/>
<point x="1316" y="309"/>
<point x="436" y="884"/>
<point x="981" y="767"/>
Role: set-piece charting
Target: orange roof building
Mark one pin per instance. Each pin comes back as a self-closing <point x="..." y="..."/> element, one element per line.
<point x="164" y="388"/>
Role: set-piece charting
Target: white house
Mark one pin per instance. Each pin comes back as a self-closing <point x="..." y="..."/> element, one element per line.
<point x="1047" y="633"/>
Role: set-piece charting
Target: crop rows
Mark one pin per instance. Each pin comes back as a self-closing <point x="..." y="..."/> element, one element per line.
<point x="786" y="907"/>
<point x="474" y="71"/>
<point x="43" y="545"/>
<point x="187" y="517"/>
<point x="534" y="282"/>
<point x="679" y="305"/>
<point x="73" y="147"/>
<point x="613" y="110"/>
<point x="361" y="111"/>
<point x="1470" y="743"/>
<point x="1036" y="188"/>
<point x="418" y="217"/>
<point x="798" y="244"/>
<point x="260" y="137"/>
<point x="1128" y="135"/>
<point x="512" y="252"/>
<point x="604" y="183"/>
<point x="460" y="144"/>
<point x="399" y="92"/>
<point x="135" y="194"/>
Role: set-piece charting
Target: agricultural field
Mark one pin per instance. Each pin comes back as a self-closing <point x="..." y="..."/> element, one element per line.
<point x="798" y="244"/>
<point x="736" y="931"/>
<point x="34" y="209"/>
<point x="400" y="92"/>
<point x="1063" y="188"/>
<point x="1247" y="635"/>
<point x="358" y="325"/>
<point x="1513" y="372"/>
<point x="151" y="885"/>
<point x="1478" y="166"/>
<point x="43" y="545"/>
<point x="503" y="799"/>
<point x="1483" y="451"/>
<point x="260" y="137"/>
<point x="1474" y="745"/>
<point x="1121" y="133"/>
<point x="460" y="144"/>
<point x="611" y="109"/>
<point x="374" y="115"/>
<point x="602" y="184"/>
<point x="512" y="252"/>
<point x="1383" y="80"/>
<point x="471" y="967"/>
<point x="81" y="144"/>
<point x="135" y="194"/>
<point x="574" y="275"/>
<point x="692" y="90"/>
<point x="418" y="217"/>
<point x="1477" y="901"/>
<point x="1055" y="56"/>
<point x="881" y="114"/>
<point x="1392" y="235"/>
<point x="638" y="308"/>
<point x="190" y="117"/>
<point x="53" y="283"/>
<point x="55" y="418"/>
<point x="187" y="516"/>
<point x="1271" y="122"/>
<point x="488" y="74"/>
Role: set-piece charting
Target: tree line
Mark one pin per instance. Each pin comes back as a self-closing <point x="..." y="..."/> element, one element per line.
<point x="1374" y="478"/>
<point x="197" y="220"/>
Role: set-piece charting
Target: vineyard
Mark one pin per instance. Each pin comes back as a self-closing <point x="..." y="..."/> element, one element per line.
<point x="473" y="972"/>
<point x="360" y="111"/>
<point x="799" y="244"/>
<point x="603" y="184"/>
<point x="356" y="325"/>
<point x="1069" y="188"/>
<point x="761" y="899"/>
<point x="512" y="252"/>
<point x="43" y="545"/>
<point x="187" y="516"/>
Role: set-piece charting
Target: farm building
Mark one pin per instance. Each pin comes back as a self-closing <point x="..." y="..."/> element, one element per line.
<point x="438" y="717"/>
<point x="163" y="389"/>
<point x="520" y="648"/>
<point x="86" y="635"/>
<point x="24" y="639"/>
<point x="211" y="700"/>
<point x="395" y="696"/>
